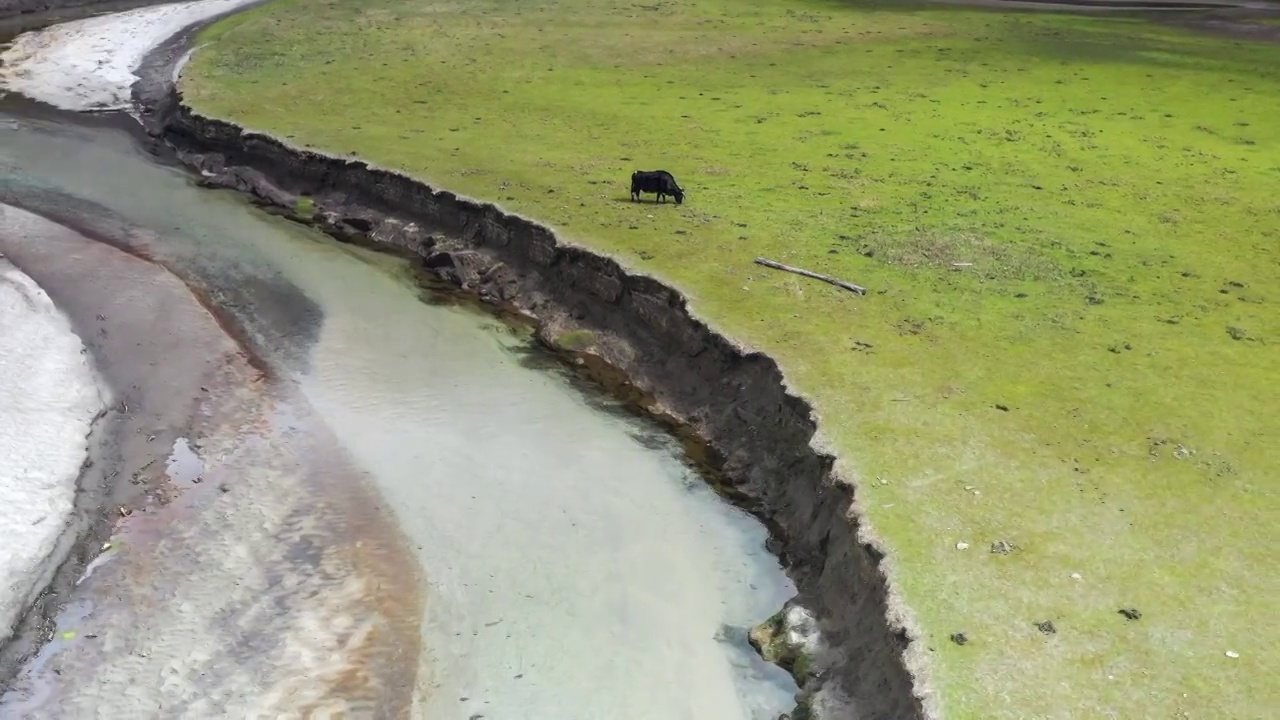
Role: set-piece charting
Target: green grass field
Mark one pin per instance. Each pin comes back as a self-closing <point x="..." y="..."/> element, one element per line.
<point x="1076" y="219"/>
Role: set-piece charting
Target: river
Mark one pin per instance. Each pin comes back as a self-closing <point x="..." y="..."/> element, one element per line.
<point x="573" y="564"/>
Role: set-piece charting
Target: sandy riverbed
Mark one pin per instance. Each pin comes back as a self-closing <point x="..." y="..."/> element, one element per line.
<point x="251" y="567"/>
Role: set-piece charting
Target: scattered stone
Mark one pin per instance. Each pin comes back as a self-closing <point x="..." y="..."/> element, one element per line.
<point x="463" y="267"/>
<point x="1046" y="627"/>
<point x="363" y="225"/>
<point x="1233" y="654"/>
<point x="1077" y="576"/>
<point x="959" y="638"/>
<point x="1002" y="547"/>
<point x="790" y="640"/>
<point x="1130" y="613"/>
<point x="1002" y="408"/>
<point x="962" y="546"/>
<point x="1237" y="333"/>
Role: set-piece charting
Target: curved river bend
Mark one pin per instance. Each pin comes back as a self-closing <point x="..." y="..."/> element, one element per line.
<point x="575" y="566"/>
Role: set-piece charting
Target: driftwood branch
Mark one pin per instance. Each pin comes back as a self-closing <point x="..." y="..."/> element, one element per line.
<point x="816" y="276"/>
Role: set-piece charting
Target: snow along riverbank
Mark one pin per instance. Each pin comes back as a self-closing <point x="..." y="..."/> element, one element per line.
<point x="88" y="64"/>
<point x="49" y="397"/>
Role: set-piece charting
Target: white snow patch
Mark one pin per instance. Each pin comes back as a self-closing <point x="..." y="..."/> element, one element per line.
<point x="88" y="64"/>
<point x="49" y="397"/>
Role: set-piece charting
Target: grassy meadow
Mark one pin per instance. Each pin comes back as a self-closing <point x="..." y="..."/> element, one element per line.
<point x="1069" y="226"/>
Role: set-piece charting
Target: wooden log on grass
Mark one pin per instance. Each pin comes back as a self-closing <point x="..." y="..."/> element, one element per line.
<point x="816" y="276"/>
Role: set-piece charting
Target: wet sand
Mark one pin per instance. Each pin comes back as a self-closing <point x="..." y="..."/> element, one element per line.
<point x="267" y="582"/>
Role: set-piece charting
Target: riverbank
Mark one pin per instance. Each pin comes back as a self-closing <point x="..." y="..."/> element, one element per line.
<point x="997" y="224"/>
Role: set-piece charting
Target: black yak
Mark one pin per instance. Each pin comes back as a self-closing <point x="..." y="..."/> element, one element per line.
<point x="660" y="182"/>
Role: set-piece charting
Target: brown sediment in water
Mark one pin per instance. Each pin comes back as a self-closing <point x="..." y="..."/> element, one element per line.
<point x="646" y="344"/>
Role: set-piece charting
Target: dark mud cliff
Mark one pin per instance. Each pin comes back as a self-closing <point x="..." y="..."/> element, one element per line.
<point x="736" y="400"/>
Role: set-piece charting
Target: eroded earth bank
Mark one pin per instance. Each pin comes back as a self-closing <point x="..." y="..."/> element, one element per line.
<point x="641" y="337"/>
<point x="313" y="493"/>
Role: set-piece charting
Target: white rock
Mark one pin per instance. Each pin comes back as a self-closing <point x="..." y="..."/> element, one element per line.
<point x="1077" y="576"/>
<point x="962" y="546"/>
<point x="802" y="629"/>
<point x="1233" y="654"/>
<point x="49" y="396"/>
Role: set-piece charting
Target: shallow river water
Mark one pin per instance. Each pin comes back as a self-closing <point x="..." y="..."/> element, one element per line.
<point x="575" y="566"/>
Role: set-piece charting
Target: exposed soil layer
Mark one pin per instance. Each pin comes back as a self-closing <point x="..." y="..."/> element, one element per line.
<point x="762" y="434"/>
